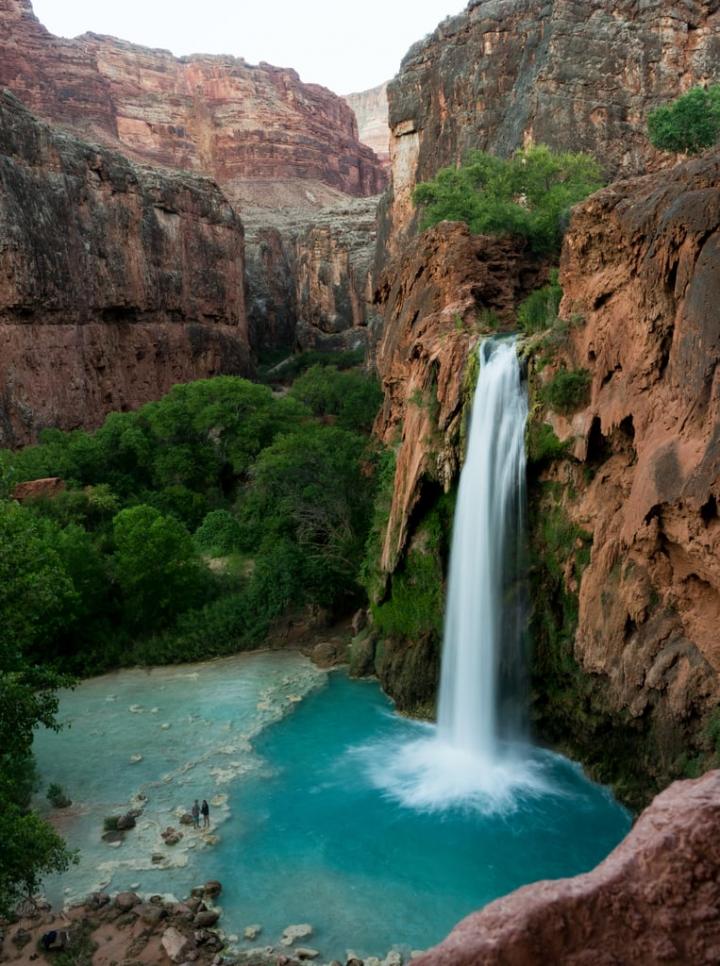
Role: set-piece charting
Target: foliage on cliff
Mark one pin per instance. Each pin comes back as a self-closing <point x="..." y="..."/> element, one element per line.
<point x="530" y="195"/>
<point x="689" y="124"/>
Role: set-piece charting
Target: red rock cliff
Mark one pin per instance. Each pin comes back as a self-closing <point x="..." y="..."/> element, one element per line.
<point x="575" y="76"/>
<point x="116" y="281"/>
<point x="215" y="115"/>
<point x="641" y="274"/>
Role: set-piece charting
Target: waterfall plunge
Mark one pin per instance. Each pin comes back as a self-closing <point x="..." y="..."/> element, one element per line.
<point x="483" y="661"/>
<point x="476" y="756"/>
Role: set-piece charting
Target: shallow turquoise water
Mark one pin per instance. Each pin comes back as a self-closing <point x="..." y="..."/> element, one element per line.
<point x="308" y="836"/>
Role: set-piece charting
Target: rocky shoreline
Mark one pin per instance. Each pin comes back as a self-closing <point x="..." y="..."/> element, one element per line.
<point x="129" y="930"/>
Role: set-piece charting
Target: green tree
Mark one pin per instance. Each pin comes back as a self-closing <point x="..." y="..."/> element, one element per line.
<point x="529" y="195"/>
<point x="352" y="398"/>
<point x="35" y="596"/>
<point x="689" y="124"/>
<point x="155" y="566"/>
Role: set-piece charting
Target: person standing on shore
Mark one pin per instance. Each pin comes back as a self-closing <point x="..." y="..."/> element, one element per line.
<point x="195" y="811"/>
<point x="205" y="811"/>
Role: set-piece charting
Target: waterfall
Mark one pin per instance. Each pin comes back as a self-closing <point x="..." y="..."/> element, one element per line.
<point x="477" y="756"/>
<point x="481" y="692"/>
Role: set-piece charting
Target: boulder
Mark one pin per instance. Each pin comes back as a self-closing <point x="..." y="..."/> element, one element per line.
<point x="206" y="919"/>
<point x="186" y="819"/>
<point x="171" y="836"/>
<point x="176" y="946"/>
<point x="151" y="913"/>
<point x="125" y="901"/>
<point x="305" y="952"/>
<point x="212" y="889"/>
<point x="126" y="822"/>
<point x="292" y="933"/>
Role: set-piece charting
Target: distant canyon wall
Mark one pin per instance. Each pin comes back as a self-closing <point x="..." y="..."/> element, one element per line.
<point x="116" y="281"/>
<point x="218" y="116"/>
<point x="372" y="113"/>
<point x="285" y="154"/>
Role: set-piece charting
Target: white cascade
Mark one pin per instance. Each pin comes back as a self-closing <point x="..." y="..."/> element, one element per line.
<point x="481" y="695"/>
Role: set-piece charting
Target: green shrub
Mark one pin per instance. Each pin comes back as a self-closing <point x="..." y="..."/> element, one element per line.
<point x="352" y="398"/>
<point x="529" y="195"/>
<point x="689" y="124"/>
<point x="110" y="823"/>
<point x="57" y="797"/>
<point x="542" y="443"/>
<point x="568" y="391"/>
<point x="539" y="311"/>
<point x="219" y="534"/>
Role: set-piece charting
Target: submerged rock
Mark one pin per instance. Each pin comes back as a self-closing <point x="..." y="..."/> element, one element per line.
<point x="252" y="932"/>
<point x="171" y="836"/>
<point x="292" y="933"/>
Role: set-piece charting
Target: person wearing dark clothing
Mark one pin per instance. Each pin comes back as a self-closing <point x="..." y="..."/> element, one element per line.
<point x="205" y="811"/>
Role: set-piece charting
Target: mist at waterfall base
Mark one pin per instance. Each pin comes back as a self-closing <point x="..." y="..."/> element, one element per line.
<point x="479" y="756"/>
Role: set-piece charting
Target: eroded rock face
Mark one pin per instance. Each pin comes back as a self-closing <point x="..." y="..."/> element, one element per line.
<point x="371" y="111"/>
<point x="436" y="299"/>
<point x="579" y="77"/>
<point x="641" y="274"/>
<point x="653" y="900"/>
<point x="218" y="116"/>
<point x="116" y="281"/>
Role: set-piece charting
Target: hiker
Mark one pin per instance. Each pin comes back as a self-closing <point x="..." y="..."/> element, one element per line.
<point x="195" y="811"/>
<point x="49" y="939"/>
<point x="205" y="810"/>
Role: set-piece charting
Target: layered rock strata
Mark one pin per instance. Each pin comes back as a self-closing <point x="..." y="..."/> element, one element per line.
<point x="578" y="77"/>
<point x="653" y="900"/>
<point x="641" y="274"/>
<point x="218" y="116"/>
<point x="371" y="110"/>
<point x="286" y="155"/>
<point x="116" y="281"/>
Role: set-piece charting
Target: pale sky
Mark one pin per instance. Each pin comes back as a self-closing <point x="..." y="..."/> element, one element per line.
<point x="344" y="46"/>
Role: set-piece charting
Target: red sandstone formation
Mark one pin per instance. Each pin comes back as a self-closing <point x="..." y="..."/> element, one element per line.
<point x="38" y="489"/>
<point x="641" y="272"/>
<point x="214" y="115"/>
<point x="575" y="76"/>
<point x="371" y="110"/>
<point x="116" y="281"/>
<point x="433" y="299"/>
<point x="655" y="899"/>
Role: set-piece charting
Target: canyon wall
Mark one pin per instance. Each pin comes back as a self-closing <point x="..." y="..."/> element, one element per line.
<point x="641" y="275"/>
<point x="116" y="281"/>
<point x="219" y="116"/>
<point x="285" y="154"/>
<point x="371" y="110"/>
<point x="575" y="76"/>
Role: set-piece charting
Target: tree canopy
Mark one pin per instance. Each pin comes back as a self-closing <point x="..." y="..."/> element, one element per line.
<point x="688" y="125"/>
<point x="528" y="195"/>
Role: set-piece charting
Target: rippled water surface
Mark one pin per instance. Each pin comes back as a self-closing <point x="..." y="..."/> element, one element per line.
<point x="312" y="820"/>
